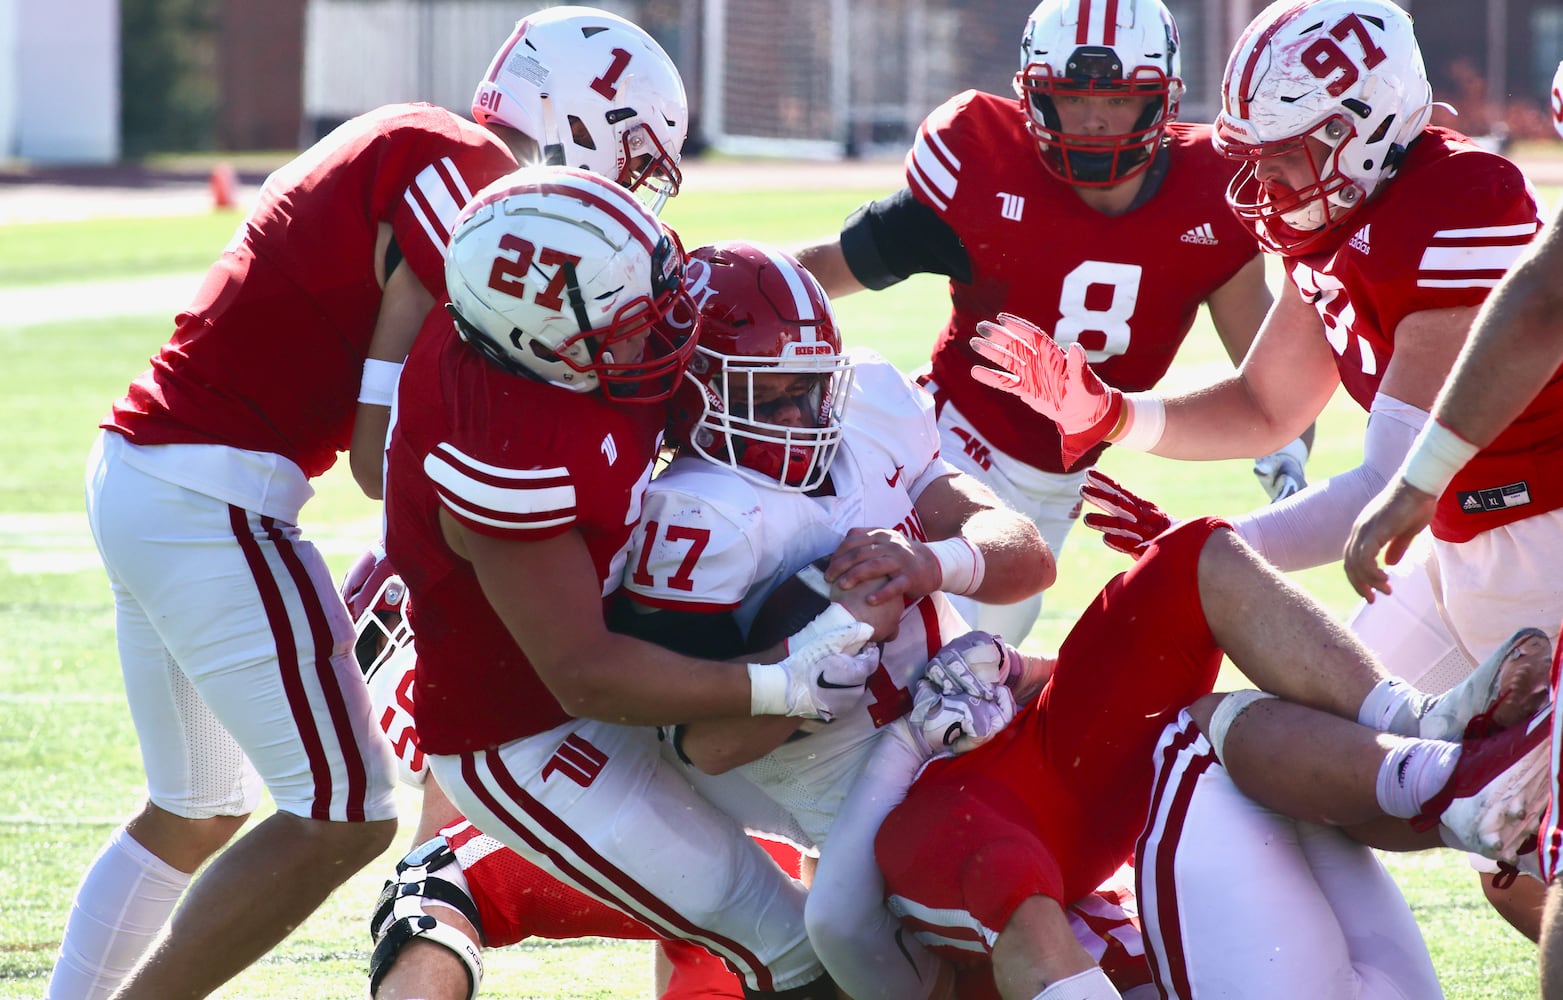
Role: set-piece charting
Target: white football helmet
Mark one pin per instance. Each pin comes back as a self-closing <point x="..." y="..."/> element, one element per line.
<point x="1096" y="48"/>
<point x="564" y="275"/>
<point x="594" y="91"/>
<point x="1347" y="73"/>
<point x="1557" y="100"/>
<point x="762" y="313"/>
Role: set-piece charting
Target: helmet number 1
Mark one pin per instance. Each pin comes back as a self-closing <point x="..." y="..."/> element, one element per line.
<point x="1324" y="58"/>
<point x="508" y="275"/>
<point x="608" y="84"/>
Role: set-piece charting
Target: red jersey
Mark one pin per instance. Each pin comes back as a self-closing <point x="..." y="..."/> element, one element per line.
<point x="514" y="458"/>
<point x="1126" y="287"/>
<point x="270" y="354"/>
<point x="1440" y="235"/>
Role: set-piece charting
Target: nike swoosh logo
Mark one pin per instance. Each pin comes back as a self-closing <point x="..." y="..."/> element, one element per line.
<point x="827" y="685"/>
<point x="892" y="480"/>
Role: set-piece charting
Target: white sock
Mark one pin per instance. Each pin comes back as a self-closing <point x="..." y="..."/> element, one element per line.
<point x="1392" y="707"/>
<point x="120" y="906"/>
<point x="1092" y="984"/>
<point x="1414" y="772"/>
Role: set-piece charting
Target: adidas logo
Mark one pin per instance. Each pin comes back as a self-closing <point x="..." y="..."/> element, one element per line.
<point x="1359" y="240"/>
<point x="1204" y="235"/>
<point x="1471" y="502"/>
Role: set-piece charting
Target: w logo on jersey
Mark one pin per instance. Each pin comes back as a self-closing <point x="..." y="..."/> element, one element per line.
<point x="1011" y="206"/>
<point x="576" y="759"/>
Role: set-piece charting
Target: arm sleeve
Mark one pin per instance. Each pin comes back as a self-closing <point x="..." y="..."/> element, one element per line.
<point x="1310" y="528"/>
<point x="711" y="637"/>
<point x="889" y="240"/>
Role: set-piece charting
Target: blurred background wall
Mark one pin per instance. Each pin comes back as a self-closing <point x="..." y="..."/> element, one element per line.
<point x="103" y="80"/>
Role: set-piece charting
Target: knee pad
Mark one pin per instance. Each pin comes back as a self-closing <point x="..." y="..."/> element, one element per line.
<point x="429" y="874"/>
<point x="1226" y="713"/>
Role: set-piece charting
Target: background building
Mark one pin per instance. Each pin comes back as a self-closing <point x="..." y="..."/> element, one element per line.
<point x="100" y="80"/>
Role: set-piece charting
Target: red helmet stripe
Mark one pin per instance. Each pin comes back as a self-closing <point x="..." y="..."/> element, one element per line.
<point x="594" y="190"/>
<point x="1083" y="23"/>
<point x="504" y="53"/>
<point x="1251" y="67"/>
<point x="1110" y="24"/>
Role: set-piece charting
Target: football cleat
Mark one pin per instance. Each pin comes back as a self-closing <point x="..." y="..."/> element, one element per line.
<point x="1515" y="673"/>
<point x="1493" y="801"/>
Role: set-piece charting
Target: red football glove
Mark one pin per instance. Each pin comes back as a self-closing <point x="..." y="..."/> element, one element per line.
<point x="1129" y="524"/>
<point x="1057" y="384"/>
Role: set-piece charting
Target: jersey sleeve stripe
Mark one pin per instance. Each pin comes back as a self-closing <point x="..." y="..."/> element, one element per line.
<point x="1523" y="229"/>
<point x="503" y="519"/>
<point x="499" y="474"/>
<point x="1471" y="257"/>
<point x="1472" y="282"/>
<point x="495" y="502"/>
<point x="933" y="169"/>
<point x="670" y="604"/>
<point x="435" y="197"/>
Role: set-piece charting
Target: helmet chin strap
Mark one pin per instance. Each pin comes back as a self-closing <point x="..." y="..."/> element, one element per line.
<point x="553" y="146"/>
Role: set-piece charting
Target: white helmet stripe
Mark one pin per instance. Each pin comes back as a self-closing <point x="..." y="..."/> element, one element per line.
<point x="801" y="305"/>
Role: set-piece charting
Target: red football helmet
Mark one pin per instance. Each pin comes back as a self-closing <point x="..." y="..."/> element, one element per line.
<point x="1098" y="48"/>
<point x="766" y="389"/>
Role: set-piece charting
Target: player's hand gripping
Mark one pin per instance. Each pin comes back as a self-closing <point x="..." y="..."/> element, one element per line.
<point x="1127" y="523"/>
<point x="1281" y="472"/>
<point x="974" y="664"/>
<point x="955" y="722"/>
<point x="825" y="672"/>
<point x="1056" y="383"/>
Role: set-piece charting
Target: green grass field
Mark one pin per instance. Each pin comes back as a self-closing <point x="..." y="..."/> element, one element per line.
<point x="66" y="744"/>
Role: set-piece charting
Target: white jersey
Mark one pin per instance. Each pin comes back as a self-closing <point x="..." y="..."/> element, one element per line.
<point x="710" y="540"/>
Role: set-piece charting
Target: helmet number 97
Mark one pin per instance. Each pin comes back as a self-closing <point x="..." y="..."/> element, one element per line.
<point x="508" y="274"/>
<point x="1324" y="58"/>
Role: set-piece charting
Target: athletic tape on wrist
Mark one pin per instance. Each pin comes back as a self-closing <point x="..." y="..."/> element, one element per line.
<point x="1438" y="454"/>
<point x="961" y="564"/>
<point x="1146" y="416"/>
<point x="767" y="689"/>
<point x="378" y="386"/>
<point x="1226" y="713"/>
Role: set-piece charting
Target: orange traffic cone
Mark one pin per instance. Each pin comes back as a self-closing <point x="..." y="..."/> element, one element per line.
<point x="224" y="183"/>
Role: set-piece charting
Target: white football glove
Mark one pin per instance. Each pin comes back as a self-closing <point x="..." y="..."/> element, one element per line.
<point x="973" y="664"/>
<point x="834" y="617"/>
<point x="955" y="722"/>
<point x="1281" y="472"/>
<point x="823" y="678"/>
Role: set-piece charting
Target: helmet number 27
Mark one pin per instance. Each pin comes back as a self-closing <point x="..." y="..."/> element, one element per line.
<point x="508" y="275"/>
<point x="1324" y="58"/>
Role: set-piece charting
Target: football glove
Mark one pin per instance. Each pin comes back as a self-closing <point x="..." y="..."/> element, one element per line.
<point x="957" y="722"/>
<point x="973" y="664"/>
<point x="1127" y="523"/>
<point x="1056" y="383"/>
<point x="823" y="678"/>
<point x="1281" y="472"/>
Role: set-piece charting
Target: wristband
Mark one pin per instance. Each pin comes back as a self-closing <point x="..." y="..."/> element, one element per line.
<point x="1438" y="454"/>
<point x="767" y="689"/>
<point x="961" y="565"/>
<point x="379" y="382"/>
<point x="1145" y="417"/>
